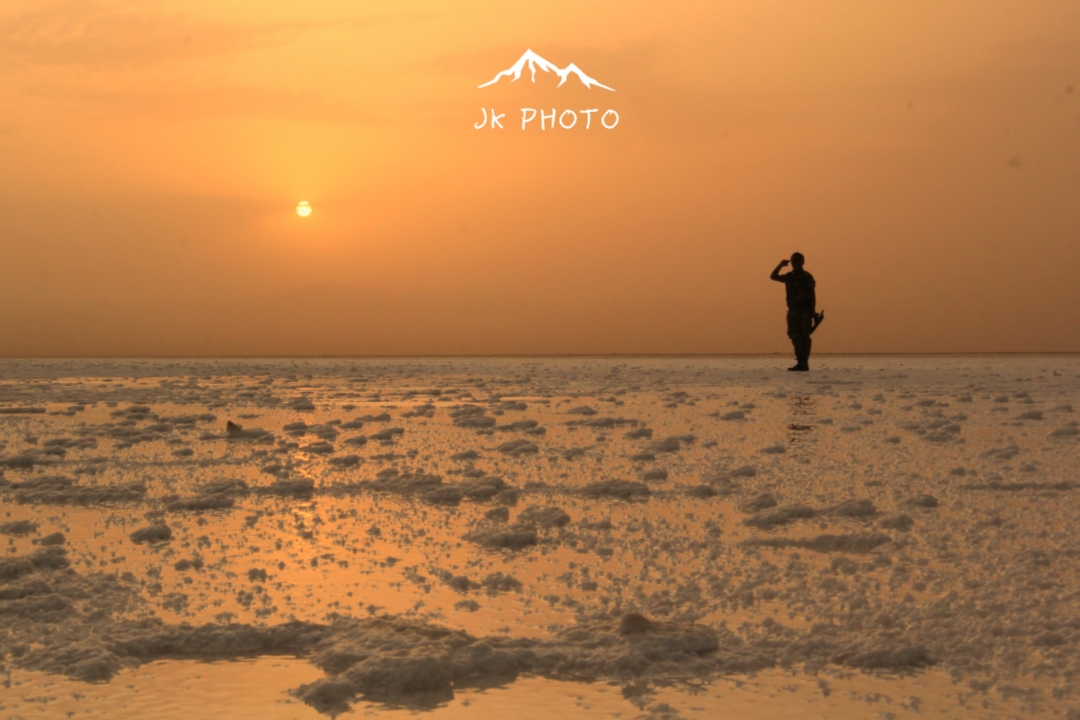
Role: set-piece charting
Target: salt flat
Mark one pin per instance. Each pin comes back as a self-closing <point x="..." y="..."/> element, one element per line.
<point x="657" y="537"/>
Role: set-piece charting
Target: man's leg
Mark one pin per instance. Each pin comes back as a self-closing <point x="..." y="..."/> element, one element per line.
<point x="802" y="353"/>
<point x="793" y="336"/>
<point x="799" y="329"/>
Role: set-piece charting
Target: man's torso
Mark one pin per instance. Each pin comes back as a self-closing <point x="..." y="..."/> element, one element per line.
<point x="800" y="290"/>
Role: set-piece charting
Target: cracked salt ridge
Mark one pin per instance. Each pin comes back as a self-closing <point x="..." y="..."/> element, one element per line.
<point x="982" y="516"/>
<point x="183" y="687"/>
<point x="381" y="658"/>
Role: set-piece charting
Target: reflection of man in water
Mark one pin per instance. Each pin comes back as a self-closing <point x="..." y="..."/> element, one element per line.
<point x="802" y="315"/>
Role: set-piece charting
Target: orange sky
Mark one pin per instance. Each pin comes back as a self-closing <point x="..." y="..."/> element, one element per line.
<point x="923" y="154"/>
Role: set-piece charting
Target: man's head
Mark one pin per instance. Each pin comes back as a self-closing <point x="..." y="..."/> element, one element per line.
<point x="797" y="260"/>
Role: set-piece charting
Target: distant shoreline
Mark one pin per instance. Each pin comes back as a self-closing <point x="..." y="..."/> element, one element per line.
<point x="583" y="356"/>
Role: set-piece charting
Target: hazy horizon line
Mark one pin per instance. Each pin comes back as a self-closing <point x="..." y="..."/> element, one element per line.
<point x="537" y="355"/>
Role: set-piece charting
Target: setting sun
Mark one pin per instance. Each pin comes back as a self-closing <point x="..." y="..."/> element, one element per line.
<point x="303" y="208"/>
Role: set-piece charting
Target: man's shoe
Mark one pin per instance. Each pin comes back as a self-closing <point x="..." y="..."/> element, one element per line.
<point x="801" y="368"/>
<point x="795" y="368"/>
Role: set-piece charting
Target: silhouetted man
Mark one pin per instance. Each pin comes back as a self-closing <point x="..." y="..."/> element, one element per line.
<point x="802" y="318"/>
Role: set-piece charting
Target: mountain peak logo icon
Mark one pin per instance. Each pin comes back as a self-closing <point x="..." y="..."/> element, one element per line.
<point x="534" y="61"/>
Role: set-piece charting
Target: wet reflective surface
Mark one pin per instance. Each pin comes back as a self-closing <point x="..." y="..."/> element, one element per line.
<point x="882" y="537"/>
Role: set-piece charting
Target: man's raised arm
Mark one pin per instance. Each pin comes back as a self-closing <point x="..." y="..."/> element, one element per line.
<point x="776" y="272"/>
